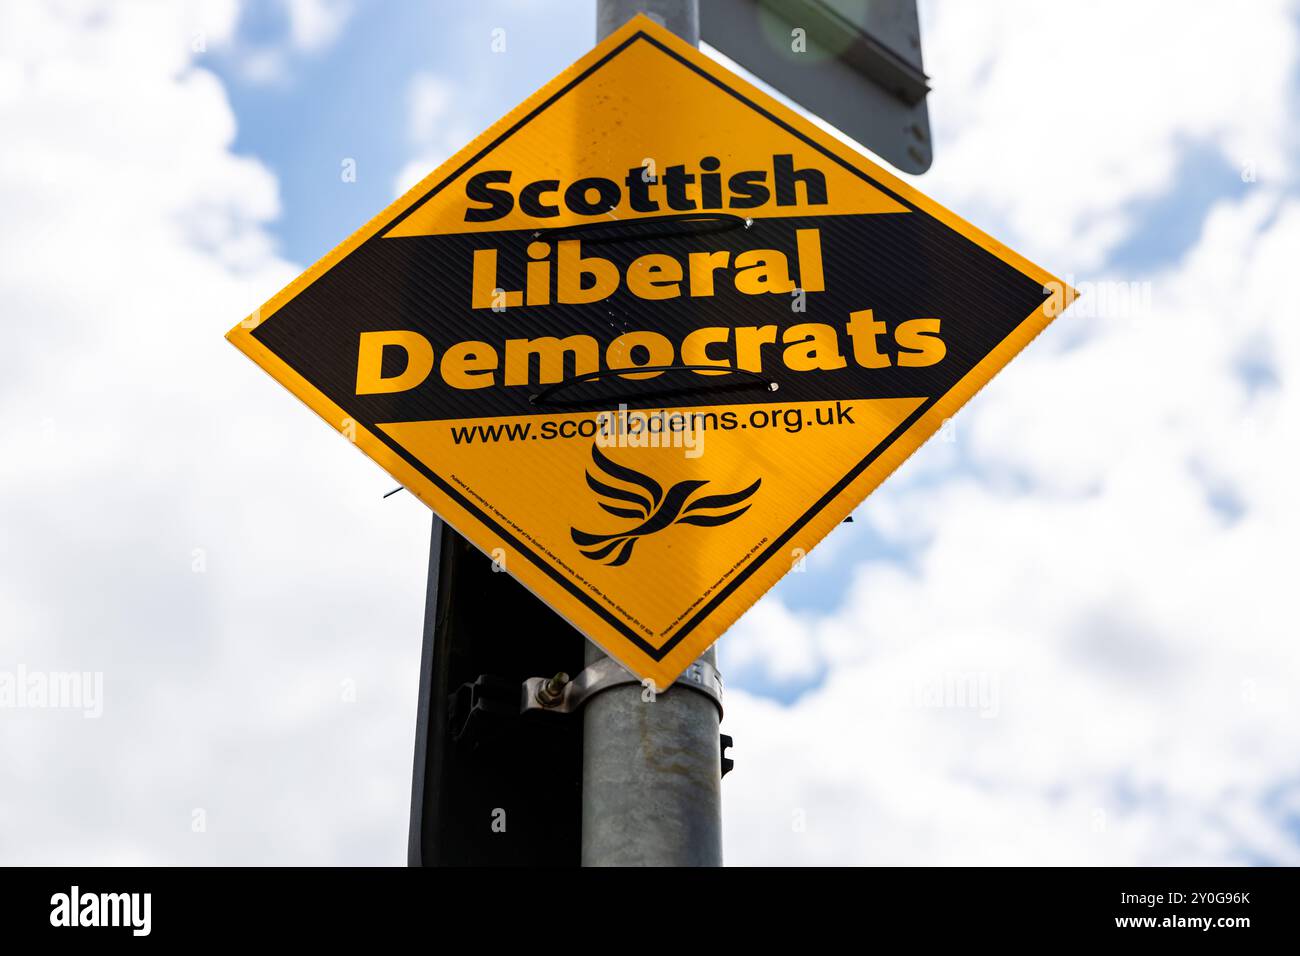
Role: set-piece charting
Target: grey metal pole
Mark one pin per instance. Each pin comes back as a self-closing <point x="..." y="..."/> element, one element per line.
<point x="651" y="768"/>
<point x="651" y="777"/>
<point x="680" y="16"/>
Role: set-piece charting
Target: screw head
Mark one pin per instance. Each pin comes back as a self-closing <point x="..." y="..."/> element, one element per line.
<point x="552" y="692"/>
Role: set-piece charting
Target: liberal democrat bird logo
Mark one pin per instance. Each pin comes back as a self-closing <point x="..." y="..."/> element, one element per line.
<point x="652" y="507"/>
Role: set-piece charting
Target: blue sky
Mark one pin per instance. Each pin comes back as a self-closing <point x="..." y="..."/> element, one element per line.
<point x="353" y="100"/>
<point x="1061" y="633"/>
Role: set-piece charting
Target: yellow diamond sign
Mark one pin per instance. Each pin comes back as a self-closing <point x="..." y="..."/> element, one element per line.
<point x="648" y="339"/>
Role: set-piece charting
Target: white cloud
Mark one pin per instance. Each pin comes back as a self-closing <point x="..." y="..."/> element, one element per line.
<point x="429" y="102"/>
<point x="315" y="24"/>
<point x="1114" y="567"/>
<point x="138" y="443"/>
<point x="761" y="640"/>
<point x="433" y="127"/>
<point x="1051" y="121"/>
<point x="310" y="28"/>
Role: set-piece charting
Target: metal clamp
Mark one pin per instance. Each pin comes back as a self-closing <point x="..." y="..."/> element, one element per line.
<point x="562" y="695"/>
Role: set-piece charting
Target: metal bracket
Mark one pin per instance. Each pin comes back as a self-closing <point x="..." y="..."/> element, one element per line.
<point x="481" y="711"/>
<point x="561" y="695"/>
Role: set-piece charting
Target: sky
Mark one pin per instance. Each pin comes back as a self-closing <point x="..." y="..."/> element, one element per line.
<point x="1061" y="633"/>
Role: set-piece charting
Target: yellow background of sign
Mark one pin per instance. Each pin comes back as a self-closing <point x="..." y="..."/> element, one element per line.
<point x="520" y="478"/>
<point x="670" y="569"/>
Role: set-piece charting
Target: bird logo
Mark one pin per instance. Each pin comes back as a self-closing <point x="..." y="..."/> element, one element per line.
<point x="646" y="503"/>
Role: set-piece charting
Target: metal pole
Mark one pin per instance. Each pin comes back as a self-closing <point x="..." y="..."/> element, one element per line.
<point x="651" y="764"/>
<point x="680" y="16"/>
<point x="427" y="701"/>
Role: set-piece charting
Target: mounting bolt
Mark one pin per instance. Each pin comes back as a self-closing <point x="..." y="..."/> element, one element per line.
<point x="552" y="692"/>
